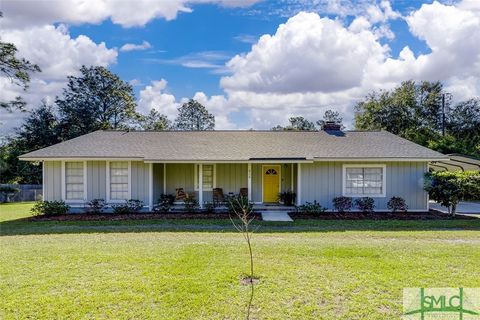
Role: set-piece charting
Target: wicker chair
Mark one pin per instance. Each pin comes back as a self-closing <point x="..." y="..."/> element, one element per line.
<point x="180" y="194"/>
<point x="218" y="196"/>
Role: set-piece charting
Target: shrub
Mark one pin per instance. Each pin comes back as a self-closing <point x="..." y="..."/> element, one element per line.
<point x="313" y="208"/>
<point x="287" y="197"/>
<point x="96" y="206"/>
<point x="191" y="204"/>
<point x="209" y="207"/>
<point x="51" y="208"/>
<point x="165" y="203"/>
<point x="7" y="191"/>
<point x="449" y="188"/>
<point x="365" y="204"/>
<point x="238" y="203"/>
<point x="342" y="204"/>
<point x="397" y="204"/>
<point x="130" y="206"/>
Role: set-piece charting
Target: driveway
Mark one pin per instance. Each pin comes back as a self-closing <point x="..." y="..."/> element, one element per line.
<point x="463" y="207"/>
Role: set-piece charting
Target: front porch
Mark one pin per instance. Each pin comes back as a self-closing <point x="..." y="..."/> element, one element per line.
<point x="261" y="182"/>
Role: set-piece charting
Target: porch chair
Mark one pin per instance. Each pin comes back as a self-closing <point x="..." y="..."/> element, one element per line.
<point x="218" y="196"/>
<point x="180" y="194"/>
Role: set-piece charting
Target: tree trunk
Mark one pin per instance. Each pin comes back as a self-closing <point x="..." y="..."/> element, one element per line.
<point x="453" y="211"/>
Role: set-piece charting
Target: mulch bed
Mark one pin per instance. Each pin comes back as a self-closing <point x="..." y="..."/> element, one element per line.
<point x="432" y="215"/>
<point x="136" y="216"/>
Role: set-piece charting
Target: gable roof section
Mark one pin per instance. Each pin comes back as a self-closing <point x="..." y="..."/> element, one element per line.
<point x="235" y="146"/>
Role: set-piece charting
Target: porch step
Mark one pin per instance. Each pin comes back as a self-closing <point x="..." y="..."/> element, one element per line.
<point x="261" y="208"/>
<point x="276" y="216"/>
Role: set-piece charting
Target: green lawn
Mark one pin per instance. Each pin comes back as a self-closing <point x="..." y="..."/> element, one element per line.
<point x="190" y="269"/>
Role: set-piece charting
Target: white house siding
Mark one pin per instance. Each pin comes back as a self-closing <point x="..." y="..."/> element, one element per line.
<point x="53" y="180"/>
<point x="232" y="176"/>
<point x="140" y="176"/>
<point x="96" y="180"/>
<point x="322" y="181"/>
<point x="180" y="175"/>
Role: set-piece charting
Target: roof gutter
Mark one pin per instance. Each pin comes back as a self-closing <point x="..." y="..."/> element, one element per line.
<point x="80" y="159"/>
<point x="229" y="161"/>
<point x="381" y="159"/>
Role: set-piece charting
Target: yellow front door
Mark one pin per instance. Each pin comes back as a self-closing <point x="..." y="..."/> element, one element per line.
<point x="271" y="183"/>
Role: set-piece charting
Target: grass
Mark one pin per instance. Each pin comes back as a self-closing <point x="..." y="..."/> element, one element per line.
<point x="191" y="269"/>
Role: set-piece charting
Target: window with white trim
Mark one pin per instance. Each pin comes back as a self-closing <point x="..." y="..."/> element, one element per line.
<point x="364" y="181"/>
<point x="208" y="176"/>
<point x="74" y="180"/>
<point x="118" y="180"/>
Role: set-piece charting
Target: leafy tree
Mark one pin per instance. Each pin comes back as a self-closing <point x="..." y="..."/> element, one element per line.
<point x="97" y="99"/>
<point x="17" y="70"/>
<point x="6" y="192"/>
<point x="296" y="124"/>
<point x="330" y="116"/>
<point x="410" y="110"/>
<point x="154" y="121"/>
<point x="464" y="125"/>
<point x="193" y="116"/>
<point x="414" y="111"/>
<point x="39" y="130"/>
<point x="301" y="124"/>
<point x="449" y="188"/>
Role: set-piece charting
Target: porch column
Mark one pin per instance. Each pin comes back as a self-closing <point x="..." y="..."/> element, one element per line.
<point x="291" y="176"/>
<point x="249" y="184"/>
<point x="299" y="184"/>
<point x="200" y="185"/>
<point x="150" y="186"/>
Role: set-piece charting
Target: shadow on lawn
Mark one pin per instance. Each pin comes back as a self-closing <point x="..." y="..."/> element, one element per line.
<point x="25" y="226"/>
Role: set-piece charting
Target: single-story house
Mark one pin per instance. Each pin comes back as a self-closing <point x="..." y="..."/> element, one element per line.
<point x="319" y="165"/>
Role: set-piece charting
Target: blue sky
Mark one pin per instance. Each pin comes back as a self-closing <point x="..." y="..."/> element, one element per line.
<point x="209" y="29"/>
<point x="314" y="55"/>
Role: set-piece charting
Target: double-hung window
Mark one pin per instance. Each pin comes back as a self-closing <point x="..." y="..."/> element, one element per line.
<point x="364" y="180"/>
<point x="208" y="176"/>
<point x="74" y="180"/>
<point x="119" y="180"/>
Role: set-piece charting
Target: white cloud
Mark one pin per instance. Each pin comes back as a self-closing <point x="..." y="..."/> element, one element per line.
<point x="135" y="82"/>
<point x="154" y="96"/>
<point x="452" y="35"/>
<point x="58" y="55"/>
<point x="220" y="107"/>
<point x="246" y="38"/>
<point x="307" y="54"/>
<point x="23" y="13"/>
<point x="312" y="64"/>
<point x="136" y="47"/>
<point x="214" y="60"/>
<point x="382" y="12"/>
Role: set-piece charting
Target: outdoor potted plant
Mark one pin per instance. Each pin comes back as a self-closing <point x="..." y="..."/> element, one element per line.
<point x="287" y="197"/>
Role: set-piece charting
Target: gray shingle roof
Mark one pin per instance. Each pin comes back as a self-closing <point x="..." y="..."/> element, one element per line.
<point x="235" y="145"/>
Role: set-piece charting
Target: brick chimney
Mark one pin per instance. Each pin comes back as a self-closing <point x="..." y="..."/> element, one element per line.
<point x="332" y="126"/>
